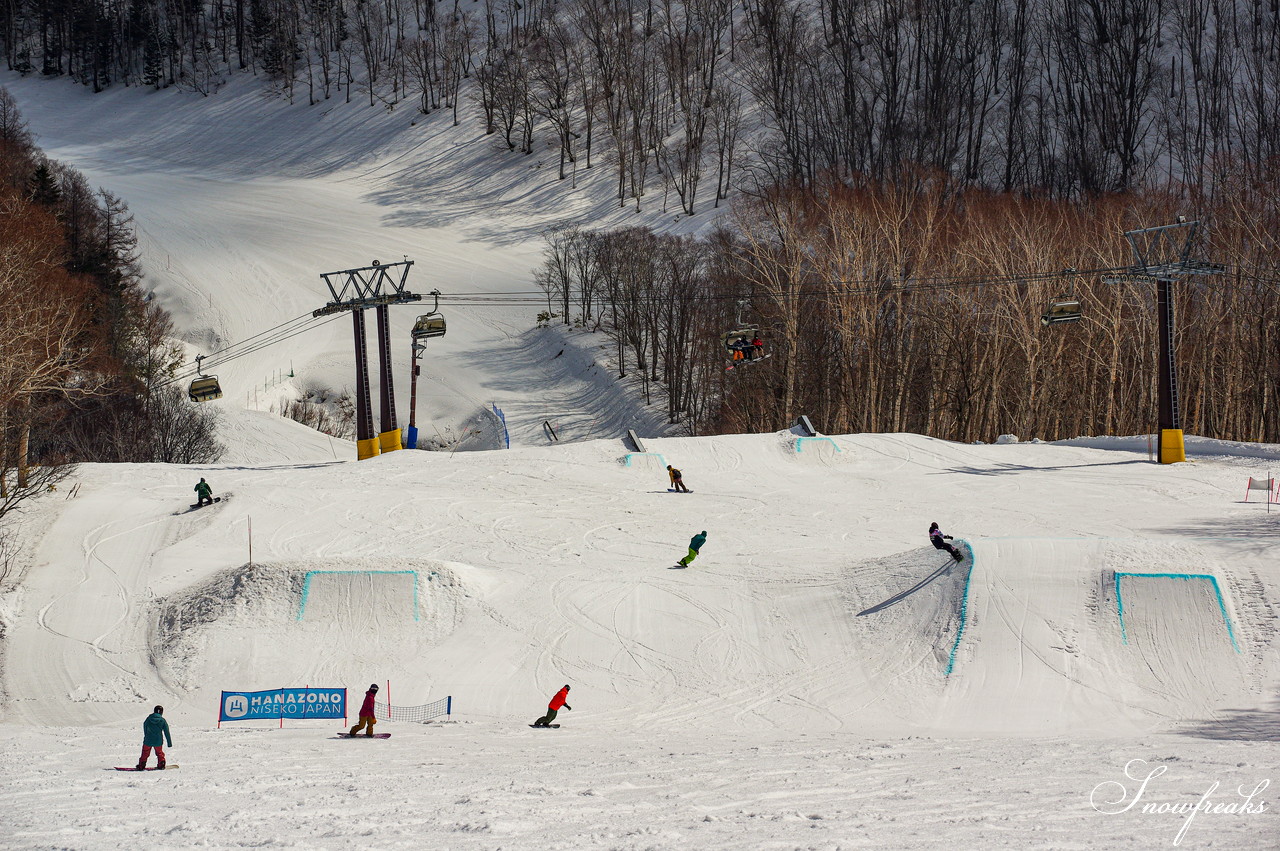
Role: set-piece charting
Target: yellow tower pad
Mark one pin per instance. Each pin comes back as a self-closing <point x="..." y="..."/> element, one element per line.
<point x="366" y="448"/>
<point x="390" y="440"/>
<point x="1172" y="449"/>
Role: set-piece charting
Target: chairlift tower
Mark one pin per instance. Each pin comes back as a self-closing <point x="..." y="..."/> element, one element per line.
<point x="377" y="286"/>
<point x="1163" y="254"/>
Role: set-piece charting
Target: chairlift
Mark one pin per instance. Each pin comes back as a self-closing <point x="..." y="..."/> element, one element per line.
<point x="1065" y="308"/>
<point x="740" y="341"/>
<point x="206" y="387"/>
<point x="427" y="326"/>
<point x="430" y="324"/>
<point x="1061" y="310"/>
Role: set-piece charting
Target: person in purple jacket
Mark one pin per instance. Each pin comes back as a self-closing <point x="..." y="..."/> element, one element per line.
<point x="367" y="716"/>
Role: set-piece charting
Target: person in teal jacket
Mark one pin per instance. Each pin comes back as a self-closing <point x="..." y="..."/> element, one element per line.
<point x="155" y="734"/>
<point x="204" y="492"/>
<point x="694" y="545"/>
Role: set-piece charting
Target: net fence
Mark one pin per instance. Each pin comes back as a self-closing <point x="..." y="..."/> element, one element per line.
<point x="425" y="712"/>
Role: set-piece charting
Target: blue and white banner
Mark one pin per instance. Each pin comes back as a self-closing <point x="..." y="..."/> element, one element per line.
<point x="283" y="703"/>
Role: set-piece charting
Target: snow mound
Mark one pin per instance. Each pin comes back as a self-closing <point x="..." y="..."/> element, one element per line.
<point x="304" y="622"/>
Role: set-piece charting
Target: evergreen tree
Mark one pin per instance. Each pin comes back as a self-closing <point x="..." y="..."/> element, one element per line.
<point x="43" y="186"/>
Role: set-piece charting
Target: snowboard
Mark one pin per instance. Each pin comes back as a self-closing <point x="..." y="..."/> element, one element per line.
<point x="215" y="499"/>
<point x="673" y="490"/>
<point x="151" y="768"/>
<point x="745" y="362"/>
<point x="364" y="736"/>
<point x="546" y="727"/>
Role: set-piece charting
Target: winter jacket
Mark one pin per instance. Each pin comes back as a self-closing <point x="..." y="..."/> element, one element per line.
<point x="155" y="732"/>
<point x="936" y="536"/>
<point x="366" y="708"/>
<point x="560" y="698"/>
<point x="203" y="489"/>
<point x="674" y="474"/>
<point x="698" y="540"/>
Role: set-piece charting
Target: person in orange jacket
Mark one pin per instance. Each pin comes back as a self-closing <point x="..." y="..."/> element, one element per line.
<point x="561" y="699"/>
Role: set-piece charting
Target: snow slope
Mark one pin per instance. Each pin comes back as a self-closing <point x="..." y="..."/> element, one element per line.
<point x="818" y="678"/>
<point x="241" y="201"/>
<point x="790" y="688"/>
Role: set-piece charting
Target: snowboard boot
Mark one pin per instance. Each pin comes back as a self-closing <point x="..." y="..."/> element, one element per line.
<point x="142" y="766"/>
<point x="160" y="767"/>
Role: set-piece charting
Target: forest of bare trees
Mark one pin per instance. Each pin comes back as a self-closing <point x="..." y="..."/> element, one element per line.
<point x="908" y="305"/>
<point x="681" y="99"/>
<point x="85" y="357"/>
<point x="909" y="178"/>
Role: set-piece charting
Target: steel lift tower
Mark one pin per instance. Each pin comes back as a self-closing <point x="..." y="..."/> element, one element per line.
<point x="357" y="290"/>
<point x="1163" y="254"/>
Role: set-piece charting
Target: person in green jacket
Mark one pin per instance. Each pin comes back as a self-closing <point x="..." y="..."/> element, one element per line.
<point x="155" y="734"/>
<point x="694" y="545"/>
<point x="204" y="492"/>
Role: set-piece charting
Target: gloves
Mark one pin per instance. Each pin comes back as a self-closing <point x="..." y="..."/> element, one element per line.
<point x="567" y="706"/>
<point x="948" y="537"/>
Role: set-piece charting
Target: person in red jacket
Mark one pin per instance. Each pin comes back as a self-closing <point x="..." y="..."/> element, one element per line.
<point x="553" y="707"/>
<point x="367" y="716"/>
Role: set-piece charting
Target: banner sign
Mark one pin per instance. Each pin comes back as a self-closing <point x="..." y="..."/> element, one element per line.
<point x="283" y="703"/>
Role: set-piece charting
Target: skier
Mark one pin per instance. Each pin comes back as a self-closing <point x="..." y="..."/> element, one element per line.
<point x="367" y="716"/>
<point x="936" y="536"/>
<point x="677" y="480"/>
<point x="694" y="545"/>
<point x="204" y="492"/>
<point x="155" y="733"/>
<point x="553" y="707"/>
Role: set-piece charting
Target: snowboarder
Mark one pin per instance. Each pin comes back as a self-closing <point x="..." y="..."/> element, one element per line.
<point x="155" y="734"/>
<point x="553" y="707"/>
<point x="936" y="536"/>
<point x="677" y="480"/>
<point x="204" y="492"/>
<point x="695" y="544"/>
<point x="367" y="716"/>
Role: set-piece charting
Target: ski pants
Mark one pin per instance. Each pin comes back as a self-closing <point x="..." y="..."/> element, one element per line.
<point x="690" y="557"/>
<point x="678" y="484"/>
<point x="366" y="723"/>
<point x="204" y="500"/>
<point x="546" y="719"/>
<point x="146" y="755"/>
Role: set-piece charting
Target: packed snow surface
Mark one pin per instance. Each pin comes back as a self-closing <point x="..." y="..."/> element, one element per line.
<point x="1103" y="660"/>
<point x="789" y="689"/>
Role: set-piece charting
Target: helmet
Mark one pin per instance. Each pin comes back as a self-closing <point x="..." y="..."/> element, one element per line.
<point x="373" y="687"/>
<point x="933" y="525"/>
<point x="159" y="709"/>
<point x="566" y="686"/>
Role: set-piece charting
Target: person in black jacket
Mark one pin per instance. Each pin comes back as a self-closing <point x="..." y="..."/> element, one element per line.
<point x="939" y="541"/>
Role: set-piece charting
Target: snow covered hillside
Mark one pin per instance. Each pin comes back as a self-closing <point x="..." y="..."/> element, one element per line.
<point x="241" y="201"/>
<point x="820" y="677"/>
<point x="789" y="689"/>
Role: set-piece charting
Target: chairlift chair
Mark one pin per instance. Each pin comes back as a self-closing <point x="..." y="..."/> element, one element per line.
<point x="1061" y="310"/>
<point x="428" y="325"/>
<point x="205" y="389"/>
<point x="733" y="343"/>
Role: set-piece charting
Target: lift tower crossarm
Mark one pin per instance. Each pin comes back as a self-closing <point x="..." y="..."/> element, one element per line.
<point x="368" y="286"/>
